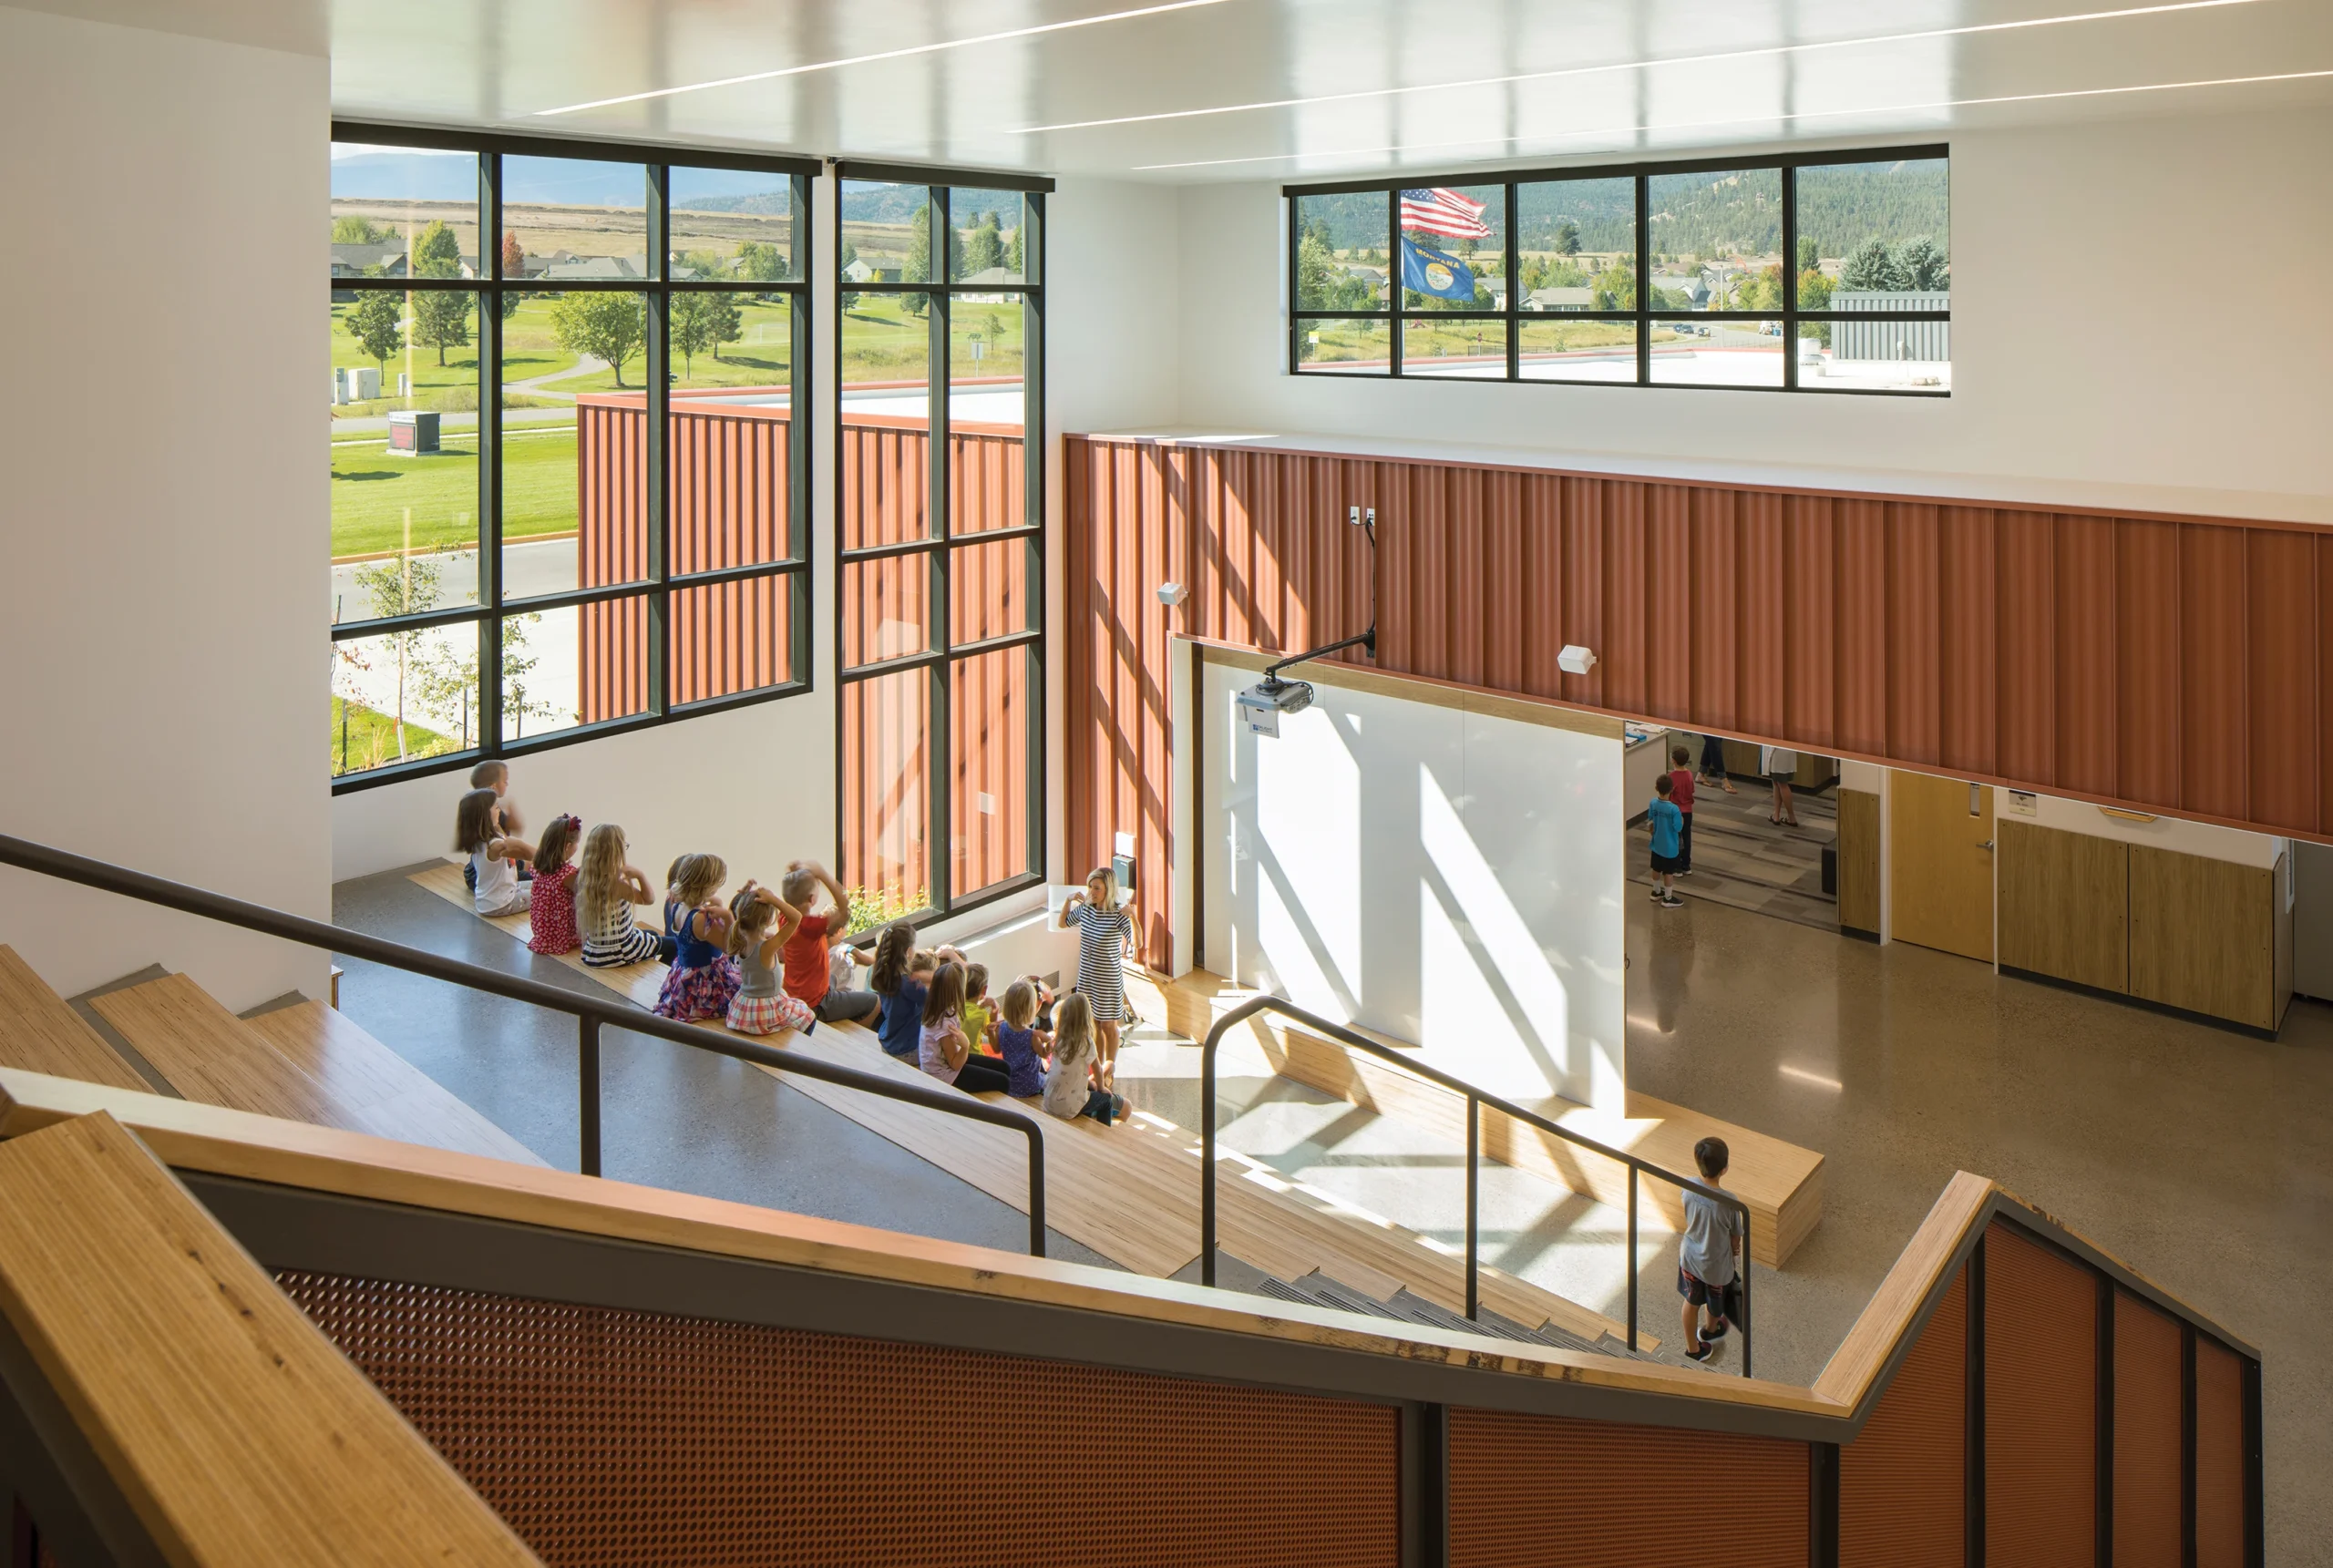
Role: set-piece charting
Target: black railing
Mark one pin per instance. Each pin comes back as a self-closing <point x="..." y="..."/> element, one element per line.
<point x="1476" y="1100"/>
<point x="590" y="1012"/>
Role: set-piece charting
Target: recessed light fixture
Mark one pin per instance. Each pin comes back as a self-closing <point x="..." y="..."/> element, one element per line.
<point x="891" y="55"/>
<point x="1763" y="52"/>
<point x="1771" y="119"/>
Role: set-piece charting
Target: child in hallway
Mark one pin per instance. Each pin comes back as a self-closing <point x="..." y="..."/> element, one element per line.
<point x="1069" y="1089"/>
<point x="1020" y="1043"/>
<point x="553" y="898"/>
<point x="494" y="856"/>
<point x="704" y="977"/>
<point x="809" y="971"/>
<point x="1680" y="793"/>
<point x="901" y="978"/>
<point x="1708" y="1253"/>
<point x="1667" y="827"/>
<point x="607" y="889"/>
<point x="761" y="925"/>
<point x="942" y="1049"/>
<point x="1104" y="927"/>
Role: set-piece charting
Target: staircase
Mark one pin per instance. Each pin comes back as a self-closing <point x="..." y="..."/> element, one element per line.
<point x="1405" y="1306"/>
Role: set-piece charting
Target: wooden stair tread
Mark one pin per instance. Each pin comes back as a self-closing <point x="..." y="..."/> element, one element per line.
<point x="383" y="1092"/>
<point x="1133" y="1199"/>
<point x="40" y="1032"/>
<point x="208" y="1054"/>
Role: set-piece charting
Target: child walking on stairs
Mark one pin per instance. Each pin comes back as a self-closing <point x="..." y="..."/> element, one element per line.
<point x="702" y="979"/>
<point x="761" y="924"/>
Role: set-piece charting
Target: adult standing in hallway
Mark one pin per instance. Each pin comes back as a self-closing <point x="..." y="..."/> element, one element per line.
<point x="1780" y="764"/>
<point x="1713" y="764"/>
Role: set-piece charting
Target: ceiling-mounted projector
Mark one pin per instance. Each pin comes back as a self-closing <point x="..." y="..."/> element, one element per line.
<point x="1263" y="704"/>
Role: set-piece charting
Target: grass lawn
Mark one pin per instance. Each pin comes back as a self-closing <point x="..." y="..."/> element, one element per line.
<point x="529" y="349"/>
<point x="882" y="342"/>
<point x="371" y="488"/>
<point x="372" y="739"/>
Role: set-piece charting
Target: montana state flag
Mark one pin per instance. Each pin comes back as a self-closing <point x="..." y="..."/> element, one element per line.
<point x="1432" y="273"/>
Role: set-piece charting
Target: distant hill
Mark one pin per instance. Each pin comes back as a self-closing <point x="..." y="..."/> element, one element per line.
<point x="1839" y="206"/>
<point x="863" y="202"/>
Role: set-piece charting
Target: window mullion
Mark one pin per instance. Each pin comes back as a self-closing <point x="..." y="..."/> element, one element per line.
<point x="489" y="458"/>
<point x="658" y="405"/>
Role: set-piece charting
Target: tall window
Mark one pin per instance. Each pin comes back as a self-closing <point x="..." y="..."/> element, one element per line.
<point x="940" y="512"/>
<point x="1829" y="274"/>
<point x="568" y="476"/>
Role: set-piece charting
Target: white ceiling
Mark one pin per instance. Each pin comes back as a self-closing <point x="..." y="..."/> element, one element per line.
<point x="1382" y="83"/>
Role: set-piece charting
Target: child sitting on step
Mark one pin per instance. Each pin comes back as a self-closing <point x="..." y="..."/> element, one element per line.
<point x="901" y="976"/>
<point x="761" y="924"/>
<point x="1020" y="1043"/>
<point x="979" y="1013"/>
<point x="607" y="889"/>
<point x="704" y="977"/>
<point x="554" y="895"/>
<point x="1070" y="1088"/>
<point x="493" y="856"/>
<point x="942" y="1047"/>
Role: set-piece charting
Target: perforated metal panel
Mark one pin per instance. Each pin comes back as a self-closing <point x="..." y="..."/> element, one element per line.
<point x="1903" y="1497"/>
<point x="608" y="1437"/>
<point x="2219" y="1457"/>
<point x="2146" y="1436"/>
<point x="2040" y="1406"/>
<point x="1533" y="1492"/>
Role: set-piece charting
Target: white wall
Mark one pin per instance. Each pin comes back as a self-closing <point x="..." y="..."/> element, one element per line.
<point x="163" y="483"/>
<point x="2176" y="834"/>
<point x="2093" y="360"/>
<point x="1440" y="876"/>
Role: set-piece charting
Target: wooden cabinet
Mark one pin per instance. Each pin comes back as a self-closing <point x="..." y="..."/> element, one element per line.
<point x="2203" y="934"/>
<point x="2065" y="905"/>
<point x="1859" y="861"/>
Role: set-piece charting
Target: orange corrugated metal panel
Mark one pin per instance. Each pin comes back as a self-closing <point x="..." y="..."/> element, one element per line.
<point x="1903" y="1482"/>
<point x="988" y="796"/>
<point x="2040" y="1406"/>
<point x="1759" y="570"/>
<point x="1967" y="603"/>
<point x="1810" y="618"/>
<point x="607" y="1436"/>
<point x="1535" y="1492"/>
<point x="2043" y="649"/>
<point x="2026" y="728"/>
<point x="2280" y="660"/>
<point x="2219" y="1457"/>
<point x="2147" y="1379"/>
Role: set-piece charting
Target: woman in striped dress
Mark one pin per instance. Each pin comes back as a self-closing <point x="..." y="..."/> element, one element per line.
<point x="1104" y="927"/>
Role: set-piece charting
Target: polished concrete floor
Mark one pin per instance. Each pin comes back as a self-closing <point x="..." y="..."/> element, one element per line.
<point x="2202" y="1157"/>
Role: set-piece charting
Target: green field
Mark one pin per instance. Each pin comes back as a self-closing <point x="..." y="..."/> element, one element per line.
<point x="529" y="349"/>
<point x="373" y="489"/>
<point x="371" y="740"/>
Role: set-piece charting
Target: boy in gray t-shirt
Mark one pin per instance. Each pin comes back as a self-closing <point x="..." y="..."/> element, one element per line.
<point x="1707" y="1253"/>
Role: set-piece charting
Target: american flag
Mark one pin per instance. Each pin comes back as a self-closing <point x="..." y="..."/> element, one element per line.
<point x="1444" y="212"/>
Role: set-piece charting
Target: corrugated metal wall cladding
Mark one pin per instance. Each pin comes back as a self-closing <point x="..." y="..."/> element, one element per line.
<point x="1903" y="1481"/>
<point x="2219" y="1457"/>
<point x="2040" y="1405"/>
<point x="2172" y="666"/>
<point x="2146" y="1436"/>
<point x="1533" y="1492"/>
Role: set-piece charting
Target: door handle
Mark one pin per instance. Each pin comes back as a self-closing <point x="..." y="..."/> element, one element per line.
<point x="1986" y="845"/>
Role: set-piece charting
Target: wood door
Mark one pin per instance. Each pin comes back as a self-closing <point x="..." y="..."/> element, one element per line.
<point x="1940" y="864"/>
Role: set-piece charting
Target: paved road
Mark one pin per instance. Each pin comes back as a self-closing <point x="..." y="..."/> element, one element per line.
<point x="527" y="569"/>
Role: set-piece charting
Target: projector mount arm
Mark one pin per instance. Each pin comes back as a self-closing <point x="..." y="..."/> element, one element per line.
<point x="1365" y="518"/>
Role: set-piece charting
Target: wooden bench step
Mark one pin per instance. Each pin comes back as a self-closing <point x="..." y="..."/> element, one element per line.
<point x="380" y="1090"/>
<point x="210" y="1055"/>
<point x="40" y="1032"/>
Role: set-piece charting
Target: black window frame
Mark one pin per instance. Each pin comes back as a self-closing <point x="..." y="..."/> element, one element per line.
<point x="659" y="585"/>
<point x="1513" y="317"/>
<point x="940" y="546"/>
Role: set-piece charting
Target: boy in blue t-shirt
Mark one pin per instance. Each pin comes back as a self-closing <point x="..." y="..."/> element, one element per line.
<point x="1667" y="830"/>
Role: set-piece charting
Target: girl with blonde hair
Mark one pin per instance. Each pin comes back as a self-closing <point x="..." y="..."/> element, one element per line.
<point x="1104" y="927"/>
<point x="607" y="889"/>
<point x="1070" y="1090"/>
<point x="703" y="979"/>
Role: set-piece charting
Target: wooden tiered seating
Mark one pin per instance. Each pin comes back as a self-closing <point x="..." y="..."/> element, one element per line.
<point x="1131" y="1193"/>
<point x="40" y="1033"/>
<point x="1781" y="1183"/>
<point x="380" y="1090"/>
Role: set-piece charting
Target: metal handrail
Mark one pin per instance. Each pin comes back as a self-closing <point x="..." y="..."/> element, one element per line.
<point x="1476" y="1100"/>
<point x="590" y="1012"/>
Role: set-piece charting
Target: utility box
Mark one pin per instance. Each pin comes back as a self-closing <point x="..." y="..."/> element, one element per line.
<point x="359" y="383"/>
<point x="413" y="432"/>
